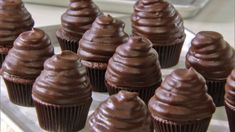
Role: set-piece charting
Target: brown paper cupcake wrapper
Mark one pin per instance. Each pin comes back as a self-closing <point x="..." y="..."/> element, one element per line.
<point x="2" y="58"/>
<point x="144" y="93"/>
<point x="168" y="55"/>
<point x="216" y="91"/>
<point x="59" y="118"/>
<point x="20" y="94"/>
<point x="68" y="44"/>
<point x="231" y="117"/>
<point x="161" y="125"/>
<point x="97" y="79"/>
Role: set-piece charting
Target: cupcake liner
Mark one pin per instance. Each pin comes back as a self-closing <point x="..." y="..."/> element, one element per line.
<point x="20" y="94"/>
<point x="144" y="93"/>
<point x="168" y="54"/>
<point x="97" y="79"/>
<point x="61" y="118"/>
<point x="2" y="58"/>
<point x="216" y="91"/>
<point x="68" y="44"/>
<point x="161" y="125"/>
<point x="231" y="116"/>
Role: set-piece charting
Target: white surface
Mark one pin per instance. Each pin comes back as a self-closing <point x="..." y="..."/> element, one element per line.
<point x="28" y="119"/>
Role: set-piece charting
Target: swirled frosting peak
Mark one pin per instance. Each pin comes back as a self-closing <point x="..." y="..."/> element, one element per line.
<point x="123" y="112"/>
<point x="135" y="64"/>
<point x="99" y="43"/>
<point x="158" y="21"/>
<point x="230" y="89"/>
<point x="63" y="81"/>
<point x="211" y="55"/>
<point x="14" y="19"/>
<point x="78" y="18"/>
<point x="182" y="96"/>
<point x="25" y="60"/>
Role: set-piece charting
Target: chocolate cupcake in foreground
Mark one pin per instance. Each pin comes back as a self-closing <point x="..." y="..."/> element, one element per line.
<point x="14" y="19"/>
<point x="24" y="63"/>
<point x="62" y="94"/>
<point x="75" y="22"/>
<point x="230" y="100"/>
<point x="159" y="21"/>
<point x="214" y="58"/>
<point x="134" y="67"/>
<point x="122" y="112"/>
<point x="181" y="103"/>
<point x="98" y="45"/>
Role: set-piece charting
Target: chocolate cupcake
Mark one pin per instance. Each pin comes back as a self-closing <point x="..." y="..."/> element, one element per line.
<point x="24" y="64"/>
<point x="98" y="45"/>
<point x="214" y="58"/>
<point x="75" y="22"/>
<point x="134" y="67"/>
<point x="159" y="21"/>
<point x="123" y="112"/>
<point x="230" y="100"/>
<point x="14" y="19"/>
<point x="181" y="103"/>
<point x="62" y="94"/>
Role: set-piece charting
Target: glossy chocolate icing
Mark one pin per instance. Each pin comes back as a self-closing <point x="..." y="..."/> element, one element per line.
<point x="182" y="96"/>
<point x="99" y="43"/>
<point x="14" y="19"/>
<point x="211" y="55"/>
<point x="63" y="81"/>
<point x="135" y="64"/>
<point x="25" y="60"/>
<point x="158" y="21"/>
<point x="230" y="89"/>
<point x="78" y="18"/>
<point x="123" y="112"/>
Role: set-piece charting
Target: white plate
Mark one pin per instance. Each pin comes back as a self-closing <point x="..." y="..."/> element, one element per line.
<point x="26" y="118"/>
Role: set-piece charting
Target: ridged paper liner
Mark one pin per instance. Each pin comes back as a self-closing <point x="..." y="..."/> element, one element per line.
<point x="68" y="44"/>
<point x="144" y="93"/>
<point x="168" y="54"/>
<point x="161" y="125"/>
<point x="2" y="58"/>
<point x="216" y="91"/>
<point x="97" y="79"/>
<point x="19" y="94"/>
<point x="61" y="118"/>
<point x="231" y="116"/>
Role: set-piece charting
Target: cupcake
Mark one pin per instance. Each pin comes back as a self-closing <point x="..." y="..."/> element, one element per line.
<point x="24" y="63"/>
<point x="75" y="22"/>
<point x="14" y="19"/>
<point x="181" y="103"/>
<point x="62" y="94"/>
<point x="230" y="100"/>
<point x="134" y="67"/>
<point x="122" y="112"/>
<point x="214" y="58"/>
<point x="159" y="21"/>
<point x="98" y="45"/>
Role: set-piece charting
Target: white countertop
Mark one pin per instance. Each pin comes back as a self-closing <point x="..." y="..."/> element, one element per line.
<point x="217" y="16"/>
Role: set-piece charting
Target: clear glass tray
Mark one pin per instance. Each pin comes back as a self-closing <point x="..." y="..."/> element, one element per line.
<point x="26" y="118"/>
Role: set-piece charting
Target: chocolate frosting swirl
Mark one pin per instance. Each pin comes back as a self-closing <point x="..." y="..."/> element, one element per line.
<point x="78" y="18"/>
<point x="211" y="55"/>
<point x="158" y="21"/>
<point x="123" y="112"/>
<point x="63" y="81"/>
<point x="14" y="19"/>
<point x="230" y="89"/>
<point x="182" y="96"/>
<point x="135" y="64"/>
<point x="101" y="40"/>
<point x="25" y="60"/>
